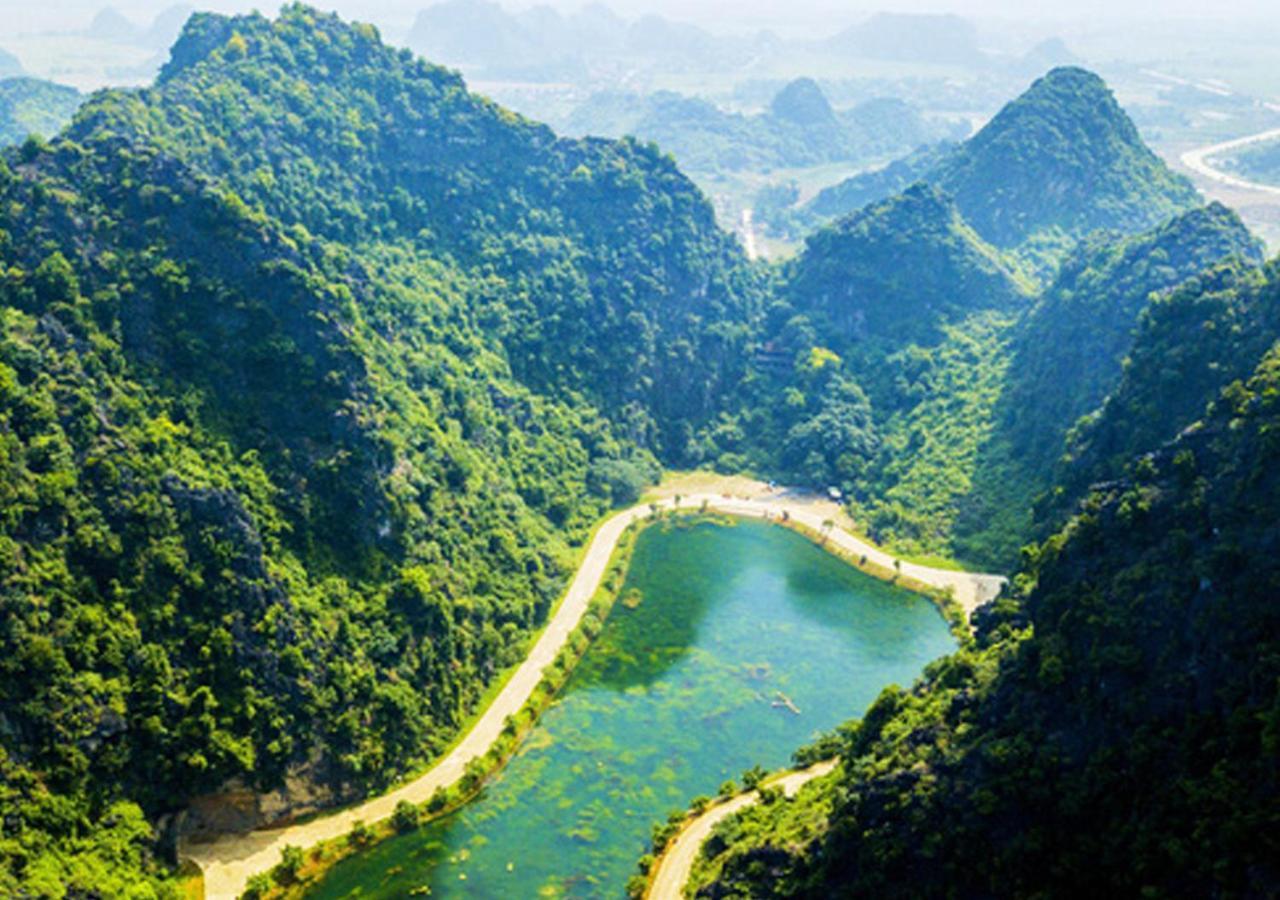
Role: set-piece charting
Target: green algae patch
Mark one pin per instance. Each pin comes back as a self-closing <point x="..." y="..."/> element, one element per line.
<point x="672" y="698"/>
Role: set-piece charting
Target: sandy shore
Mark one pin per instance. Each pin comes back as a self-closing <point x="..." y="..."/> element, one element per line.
<point x="229" y="862"/>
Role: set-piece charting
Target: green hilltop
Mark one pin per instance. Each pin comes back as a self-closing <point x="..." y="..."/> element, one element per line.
<point x="317" y="370"/>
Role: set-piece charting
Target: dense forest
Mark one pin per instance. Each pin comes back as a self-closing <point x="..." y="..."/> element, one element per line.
<point x="1111" y="729"/>
<point x="31" y="106"/>
<point x="317" y="369"/>
<point x="303" y="416"/>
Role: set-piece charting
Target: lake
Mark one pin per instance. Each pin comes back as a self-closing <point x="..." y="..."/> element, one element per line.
<point x="687" y="686"/>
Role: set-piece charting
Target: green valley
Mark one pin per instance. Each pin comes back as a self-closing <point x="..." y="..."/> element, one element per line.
<point x="320" y="371"/>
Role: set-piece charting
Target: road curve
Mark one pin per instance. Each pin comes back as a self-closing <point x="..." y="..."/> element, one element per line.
<point x="228" y="862"/>
<point x="672" y="868"/>
<point x="1198" y="161"/>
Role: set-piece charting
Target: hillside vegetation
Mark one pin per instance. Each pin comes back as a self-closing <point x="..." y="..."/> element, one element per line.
<point x="31" y="106"/>
<point x="317" y="369"/>
<point x="1112" y="728"/>
<point x="302" y="420"/>
<point x="799" y="128"/>
<point x="1057" y="163"/>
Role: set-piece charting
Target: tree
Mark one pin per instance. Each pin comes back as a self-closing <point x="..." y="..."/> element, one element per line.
<point x="405" y="817"/>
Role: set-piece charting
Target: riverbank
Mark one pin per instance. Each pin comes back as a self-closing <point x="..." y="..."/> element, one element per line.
<point x="229" y="862"/>
<point x="1200" y="161"/>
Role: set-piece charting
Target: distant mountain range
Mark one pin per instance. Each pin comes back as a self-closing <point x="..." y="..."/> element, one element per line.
<point x="799" y="128"/>
<point x="317" y="370"/>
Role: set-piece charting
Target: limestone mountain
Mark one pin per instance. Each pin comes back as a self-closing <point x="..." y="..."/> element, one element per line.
<point x="33" y="106"/>
<point x="896" y="270"/>
<point x="1112" y="727"/>
<point x="1061" y="160"/>
<point x="305" y="359"/>
<point x="1067" y="357"/>
<point x="802" y="101"/>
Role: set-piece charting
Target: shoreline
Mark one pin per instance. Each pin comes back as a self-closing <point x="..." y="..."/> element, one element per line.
<point x="671" y="870"/>
<point x="228" y="862"/>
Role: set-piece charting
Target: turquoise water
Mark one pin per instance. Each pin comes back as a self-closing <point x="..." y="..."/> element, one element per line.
<point x="675" y="697"/>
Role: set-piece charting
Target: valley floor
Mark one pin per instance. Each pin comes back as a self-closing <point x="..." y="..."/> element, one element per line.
<point x="230" y="861"/>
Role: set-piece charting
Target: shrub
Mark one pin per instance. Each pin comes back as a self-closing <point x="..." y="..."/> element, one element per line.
<point x="359" y="835"/>
<point x="405" y="817"/>
<point x="291" y="859"/>
<point x="257" y="887"/>
<point x="439" y="800"/>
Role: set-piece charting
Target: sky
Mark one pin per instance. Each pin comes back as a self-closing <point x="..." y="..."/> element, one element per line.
<point x="21" y="16"/>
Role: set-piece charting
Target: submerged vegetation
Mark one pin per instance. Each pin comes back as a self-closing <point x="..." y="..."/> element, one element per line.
<point x="316" y="370"/>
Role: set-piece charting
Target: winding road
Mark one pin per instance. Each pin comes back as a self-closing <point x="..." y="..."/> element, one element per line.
<point x="228" y="862"/>
<point x="1198" y="161"/>
<point x="672" y="868"/>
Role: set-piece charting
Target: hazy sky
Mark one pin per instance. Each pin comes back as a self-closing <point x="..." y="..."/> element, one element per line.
<point x="815" y="15"/>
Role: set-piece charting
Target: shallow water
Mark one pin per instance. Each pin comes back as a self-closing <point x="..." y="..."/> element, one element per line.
<point x="676" y="696"/>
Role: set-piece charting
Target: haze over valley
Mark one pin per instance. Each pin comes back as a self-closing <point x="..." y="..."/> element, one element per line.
<point x="478" y="450"/>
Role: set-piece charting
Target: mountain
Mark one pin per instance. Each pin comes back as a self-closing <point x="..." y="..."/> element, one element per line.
<point x="1191" y="344"/>
<point x="166" y="26"/>
<point x="878" y="184"/>
<point x="10" y="67"/>
<point x="799" y="128"/>
<point x="470" y="31"/>
<point x="305" y="359"/>
<point x="1058" y="162"/>
<point x="317" y="370"/>
<point x="110" y="25"/>
<point x="31" y="106"/>
<point x="972" y="394"/>
<point x="1111" y="729"/>
<point x="895" y="270"/>
<point x="899" y="315"/>
<point x="912" y="38"/>
<point x="565" y="238"/>
<point x="801" y="101"/>
<point x="544" y="44"/>
<point x="1067" y="357"/>
<point x="1051" y="53"/>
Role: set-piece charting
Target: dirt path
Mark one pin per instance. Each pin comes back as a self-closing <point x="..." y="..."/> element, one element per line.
<point x="672" y="869"/>
<point x="1197" y="161"/>
<point x="229" y="862"/>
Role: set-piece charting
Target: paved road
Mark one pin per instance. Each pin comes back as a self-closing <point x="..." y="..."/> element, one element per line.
<point x="673" y="867"/>
<point x="229" y="861"/>
<point x="1198" y="161"/>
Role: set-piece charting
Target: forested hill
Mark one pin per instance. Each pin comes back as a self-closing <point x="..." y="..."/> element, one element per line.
<point x="973" y="374"/>
<point x="317" y="369"/>
<point x="576" y="248"/>
<point x="1066" y="358"/>
<point x="314" y="370"/>
<point x="896" y="270"/>
<point x="1056" y="163"/>
<point x="32" y="106"/>
<point x="1062" y="159"/>
<point x="1112" y="731"/>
